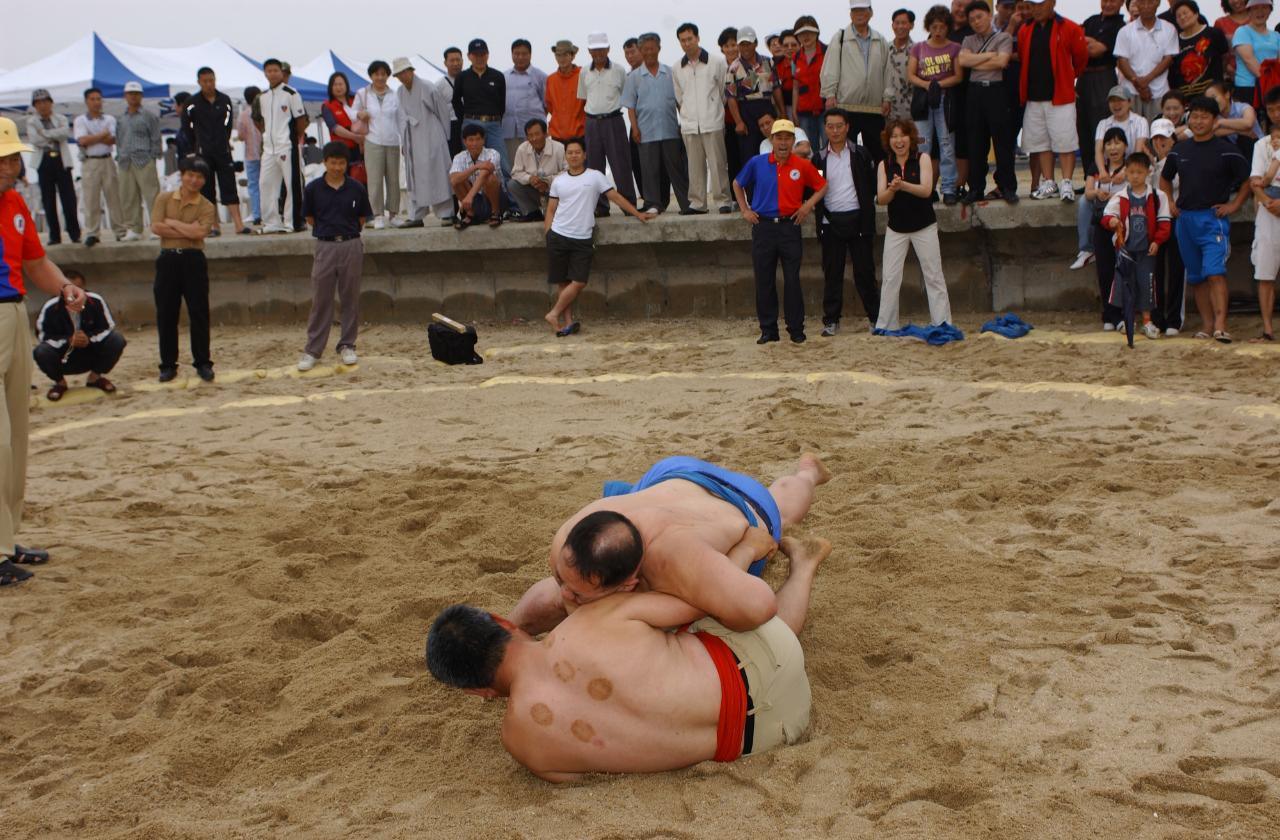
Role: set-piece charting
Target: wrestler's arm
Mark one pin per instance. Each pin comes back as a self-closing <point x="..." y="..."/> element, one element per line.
<point x="708" y="580"/>
<point x="657" y="609"/>
<point x="757" y="542"/>
<point x="541" y="608"/>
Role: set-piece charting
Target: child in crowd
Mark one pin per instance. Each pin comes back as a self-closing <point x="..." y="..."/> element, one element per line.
<point x="803" y="147"/>
<point x="1170" y="277"/>
<point x="1136" y="131"/>
<point x="1173" y="107"/>
<point x="1098" y="190"/>
<point x="1140" y="219"/>
<point x="1265" y="183"/>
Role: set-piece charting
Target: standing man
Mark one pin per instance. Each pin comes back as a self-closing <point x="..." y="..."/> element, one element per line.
<point x="424" y="145"/>
<point x="336" y="207"/>
<point x="897" y="88"/>
<point x="568" y="117"/>
<point x="279" y="115"/>
<point x="631" y="54"/>
<point x="526" y="96"/>
<point x="95" y="133"/>
<point x="699" y="84"/>
<point x="138" y="147"/>
<point x="856" y="75"/>
<point x="182" y="219"/>
<point x="985" y="54"/>
<point x="1051" y="54"/>
<point x="480" y="98"/>
<point x="48" y="132"/>
<point x="600" y="88"/>
<point x="207" y="121"/>
<point x="777" y="182"/>
<point x="649" y="96"/>
<point x="1145" y="49"/>
<point x="728" y="43"/>
<point x="846" y="221"/>
<point x="22" y="260"/>
<point x="749" y="93"/>
<point x="1099" y="76"/>
<point x="538" y="161"/>
<point x="447" y="83"/>
<point x="295" y="163"/>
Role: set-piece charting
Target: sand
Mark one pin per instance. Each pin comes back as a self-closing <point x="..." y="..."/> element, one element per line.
<point x="1052" y="611"/>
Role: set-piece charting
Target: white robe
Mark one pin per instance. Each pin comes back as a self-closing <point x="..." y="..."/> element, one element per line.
<point x="424" y="144"/>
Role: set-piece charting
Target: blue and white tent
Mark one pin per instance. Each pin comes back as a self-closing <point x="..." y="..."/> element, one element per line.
<point x="89" y="62"/>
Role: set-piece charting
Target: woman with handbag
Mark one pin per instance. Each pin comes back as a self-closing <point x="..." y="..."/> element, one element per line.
<point x="933" y="69"/>
<point x="342" y="118"/>
<point x="1098" y="190"/>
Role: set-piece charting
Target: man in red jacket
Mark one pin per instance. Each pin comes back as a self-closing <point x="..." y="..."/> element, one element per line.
<point x="1052" y="53"/>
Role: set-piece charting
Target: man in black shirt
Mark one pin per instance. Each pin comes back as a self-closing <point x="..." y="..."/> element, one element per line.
<point x="1099" y="75"/>
<point x="207" y="120"/>
<point x="480" y="98"/>
<point x="336" y="207"/>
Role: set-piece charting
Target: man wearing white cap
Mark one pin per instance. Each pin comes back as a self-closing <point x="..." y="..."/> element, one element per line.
<point x="95" y="133"/>
<point x="138" y="145"/>
<point x="600" y="86"/>
<point x="857" y="77"/>
<point x="21" y="257"/>
<point x="749" y="93"/>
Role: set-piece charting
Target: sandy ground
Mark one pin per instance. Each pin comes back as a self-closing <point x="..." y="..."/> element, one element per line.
<point x="1052" y="611"/>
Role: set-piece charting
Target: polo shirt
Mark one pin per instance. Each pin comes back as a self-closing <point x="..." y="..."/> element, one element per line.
<point x="992" y="42"/>
<point x="568" y="114"/>
<point x="208" y="124"/>
<point x="777" y="189"/>
<point x="169" y="205"/>
<point x="1145" y="48"/>
<point x="602" y="88"/>
<point x="480" y="94"/>
<point x="754" y="82"/>
<point x="1211" y="172"/>
<point x="18" y="241"/>
<point x="1104" y="29"/>
<point x="653" y="96"/>
<point x="337" y="211"/>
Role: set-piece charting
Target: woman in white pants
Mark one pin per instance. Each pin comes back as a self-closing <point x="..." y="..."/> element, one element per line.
<point x="904" y="183"/>
<point x="377" y="106"/>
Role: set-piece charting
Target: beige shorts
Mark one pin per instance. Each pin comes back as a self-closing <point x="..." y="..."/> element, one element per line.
<point x="773" y="661"/>
<point x="1049" y="128"/>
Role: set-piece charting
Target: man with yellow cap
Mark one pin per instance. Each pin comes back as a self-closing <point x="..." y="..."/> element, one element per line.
<point x="22" y="260"/>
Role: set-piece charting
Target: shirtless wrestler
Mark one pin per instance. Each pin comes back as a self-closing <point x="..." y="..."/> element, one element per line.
<point x="611" y="690"/>
<point x="687" y="528"/>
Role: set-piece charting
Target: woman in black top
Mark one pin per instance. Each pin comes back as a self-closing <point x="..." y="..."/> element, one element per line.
<point x="904" y="183"/>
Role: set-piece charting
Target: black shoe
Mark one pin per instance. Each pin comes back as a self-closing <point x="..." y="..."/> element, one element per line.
<point x="90" y="241"/>
<point x="299" y="228"/>
<point x="535" y="216"/>
<point x="168" y="374"/>
<point x="601" y="214"/>
<point x="216" y="232"/>
<point x="53" y="242"/>
<point x="950" y="199"/>
<point x="766" y="338"/>
<point x="798" y="338"/>
<point x="692" y="211"/>
<point x="1011" y="198"/>
<point x="970" y="199"/>
<point x="30" y="556"/>
<point x="205" y="372"/>
<point x="10" y="573"/>
<point x="726" y="209"/>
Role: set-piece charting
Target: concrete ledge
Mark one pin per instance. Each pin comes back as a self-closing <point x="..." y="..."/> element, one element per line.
<point x="996" y="256"/>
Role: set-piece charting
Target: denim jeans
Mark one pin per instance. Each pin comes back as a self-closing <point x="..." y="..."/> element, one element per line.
<point x="1084" y="225"/>
<point x="812" y="125"/>
<point x="946" y="159"/>
<point x="252" y="169"/>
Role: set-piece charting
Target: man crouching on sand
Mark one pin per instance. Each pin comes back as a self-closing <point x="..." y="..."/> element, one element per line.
<point x="687" y="528"/>
<point x="610" y="690"/>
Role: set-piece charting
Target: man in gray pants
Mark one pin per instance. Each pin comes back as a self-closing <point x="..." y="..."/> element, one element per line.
<point x="336" y="208"/>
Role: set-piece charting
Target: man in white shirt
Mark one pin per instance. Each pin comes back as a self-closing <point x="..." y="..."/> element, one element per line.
<point x="95" y="133"/>
<point x="846" y="222"/>
<point x="1145" y="49"/>
<point x="279" y="115"/>
<point x="452" y="69"/>
<point x="700" y="82"/>
<point x="600" y="86"/>
<point x="476" y="178"/>
<point x="537" y="162"/>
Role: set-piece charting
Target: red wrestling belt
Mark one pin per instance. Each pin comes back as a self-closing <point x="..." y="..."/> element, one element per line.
<point x="733" y="699"/>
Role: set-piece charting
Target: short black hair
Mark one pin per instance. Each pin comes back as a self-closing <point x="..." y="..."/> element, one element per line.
<point x="72" y="274"/>
<point x="581" y="142"/>
<point x="977" y="6"/>
<point x="687" y="27"/>
<point x="911" y="16"/>
<point x="836" y="112"/>
<point x="1195" y="7"/>
<point x="787" y="33"/>
<point x="729" y="33"/>
<point x="375" y="66"/>
<point x="766" y="111"/>
<point x="205" y="71"/>
<point x="251" y="93"/>
<point x="92" y="90"/>
<point x="938" y="14"/>
<point x="630" y="42"/>
<point x="1174" y="94"/>
<point x="472" y="129"/>
<point x="465" y="646"/>
<point x="333" y="77"/>
<point x="1115" y="133"/>
<point x="1272" y="96"/>
<point x="310" y="141"/>
<point x="605" y="548"/>
<point x="449" y="50"/>
<point x="180" y="98"/>
<point x="1138" y="158"/>
<point x="538" y="121"/>
<point x="336" y="149"/>
<point x="271" y="61"/>
<point x="521" y="42"/>
<point x="194" y="163"/>
<point x="1205" y="103"/>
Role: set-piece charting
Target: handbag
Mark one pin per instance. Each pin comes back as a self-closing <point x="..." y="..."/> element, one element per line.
<point x="357" y="172"/>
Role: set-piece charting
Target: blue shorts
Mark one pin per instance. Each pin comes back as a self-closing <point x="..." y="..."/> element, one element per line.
<point x="1204" y="242"/>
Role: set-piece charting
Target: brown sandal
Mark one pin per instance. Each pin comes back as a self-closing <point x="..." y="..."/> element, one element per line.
<point x="56" y="392"/>
<point x="102" y="383"/>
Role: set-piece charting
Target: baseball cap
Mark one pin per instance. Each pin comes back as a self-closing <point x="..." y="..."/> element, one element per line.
<point x="807" y="28"/>
<point x="39" y="94"/>
<point x="1253" y="3"/>
<point x="477" y="46"/>
<point x="859" y="4"/>
<point x="399" y="65"/>
<point x="133" y="87"/>
<point x="1117" y="92"/>
<point x="782" y="125"/>
<point x="597" y="41"/>
<point x="564" y="46"/>
<point x="746" y="33"/>
<point x="10" y="142"/>
<point x="1162" y="128"/>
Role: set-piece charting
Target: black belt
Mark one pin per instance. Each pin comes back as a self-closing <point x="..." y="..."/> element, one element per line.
<point x="986" y="82"/>
<point x="749" y="729"/>
<point x="17" y="299"/>
<point x="842" y="213"/>
<point x="482" y="117"/>
<point x="98" y="157"/>
<point x="604" y="116"/>
<point x="778" y="220"/>
<point x="167" y="251"/>
<point x="346" y="238"/>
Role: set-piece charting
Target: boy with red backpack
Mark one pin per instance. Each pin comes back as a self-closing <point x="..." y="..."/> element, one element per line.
<point x="1140" y="219"/>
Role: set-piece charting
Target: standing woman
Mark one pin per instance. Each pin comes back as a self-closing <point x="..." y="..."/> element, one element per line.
<point x="1235" y="14"/>
<point x="904" y="183"/>
<point x="251" y="137"/>
<point x="807" y="71"/>
<point x="341" y="116"/>
<point x="932" y="70"/>
<point x="1253" y="44"/>
<point x="378" y="106"/>
<point x="1098" y="189"/>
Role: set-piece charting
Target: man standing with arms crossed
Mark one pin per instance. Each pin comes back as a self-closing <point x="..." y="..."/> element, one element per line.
<point x="49" y="133"/>
<point x="22" y="259"/>
<point x="137" y="148"/>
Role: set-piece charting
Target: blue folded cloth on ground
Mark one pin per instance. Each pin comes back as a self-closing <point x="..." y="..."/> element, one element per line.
<point x="749" y="496"/>
<point x="1009" y="326"/>
<point x="935" y="335"/>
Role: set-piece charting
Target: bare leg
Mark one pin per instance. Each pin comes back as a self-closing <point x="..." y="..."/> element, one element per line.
<point x="794" y="492"/>
<point x="1046" y="165"/>
<point x="1068" y="163"/>
<point x="1266" y="303"/>
<point x="1219" y="301"/>
<point x="234" y="211"/>
<point x="1204" y="303"/>
<point x="540" y="609"/>
<point x="1033" y="164"/>
<point x="568" y="294"/>
<point x="793" y="595"/>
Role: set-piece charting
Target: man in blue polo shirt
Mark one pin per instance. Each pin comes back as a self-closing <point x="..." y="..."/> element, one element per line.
<point x="777" y="208"/>
<point x="1214" y="184"/>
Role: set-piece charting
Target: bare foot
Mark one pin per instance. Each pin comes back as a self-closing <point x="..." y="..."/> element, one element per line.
<point x="806" y="553"/>
<point x="552" y="320"/>
<point x="755" y="544"/>
<point x="810" y="461"/>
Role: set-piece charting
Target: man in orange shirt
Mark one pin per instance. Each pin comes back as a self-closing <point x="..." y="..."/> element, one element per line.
<point x="568" y="112"/>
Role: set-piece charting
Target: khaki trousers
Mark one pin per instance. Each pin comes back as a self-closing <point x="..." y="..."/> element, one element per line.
<point x="707" y="161"/>
<point x="98" y="181"/>
<point x="925" y="244"/>
<point x="336" y="268"/>
<point x="139" y="186"/>
<point x="383" y="165"/>
<point x="15" y="368"/>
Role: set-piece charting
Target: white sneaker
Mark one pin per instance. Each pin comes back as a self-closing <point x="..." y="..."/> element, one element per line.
<point x="1171" y="332"/>
<point x="1119" y="326"/>
<point x="1047" y="189"/>
<point x="1152" y="331"/>
<point x="307" y="362"/>
<point x="131" y="236"/>
<point x="1108" y="327"/>
<point x="1067" y="192"/>
<point x="380" y="223"/>
<point x="348" y="355"/>
<point x="1082" y="259"/>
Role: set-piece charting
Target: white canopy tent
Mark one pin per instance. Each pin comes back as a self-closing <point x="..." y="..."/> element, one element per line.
<point x="88" y="62"/>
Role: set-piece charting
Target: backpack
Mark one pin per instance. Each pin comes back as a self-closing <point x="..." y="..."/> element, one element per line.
<point x="451" y="342"/>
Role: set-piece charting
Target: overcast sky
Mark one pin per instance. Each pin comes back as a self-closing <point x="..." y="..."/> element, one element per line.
<point x="359" y="31"/>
